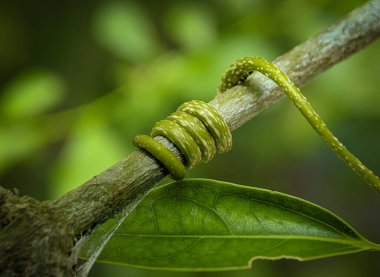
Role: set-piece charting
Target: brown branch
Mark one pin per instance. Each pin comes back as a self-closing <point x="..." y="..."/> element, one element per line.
<point x="38" y="238"/>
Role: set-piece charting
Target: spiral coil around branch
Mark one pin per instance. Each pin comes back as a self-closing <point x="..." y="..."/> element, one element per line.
<point x="196" y="129"/>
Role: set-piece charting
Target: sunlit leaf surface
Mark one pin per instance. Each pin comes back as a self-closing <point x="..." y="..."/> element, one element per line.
<point x="200" y="224"/>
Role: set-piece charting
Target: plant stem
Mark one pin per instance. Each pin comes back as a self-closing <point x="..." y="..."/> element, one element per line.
<point x="241" y="69"/>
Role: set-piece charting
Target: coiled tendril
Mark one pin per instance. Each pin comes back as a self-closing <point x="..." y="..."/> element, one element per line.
<point x="239" y="71"/>
<point x="196" y="129"/>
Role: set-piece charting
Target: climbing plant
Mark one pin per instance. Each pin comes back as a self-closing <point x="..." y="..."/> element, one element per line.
<point x="200" y="224"/>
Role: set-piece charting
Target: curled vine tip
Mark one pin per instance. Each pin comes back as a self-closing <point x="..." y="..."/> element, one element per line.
<point x="196" y="129"/>
<point x="235" y="74"/>
<point x="238" y="72"/>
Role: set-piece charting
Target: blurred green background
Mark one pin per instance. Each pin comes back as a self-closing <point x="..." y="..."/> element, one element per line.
<point x="78" y="79"/>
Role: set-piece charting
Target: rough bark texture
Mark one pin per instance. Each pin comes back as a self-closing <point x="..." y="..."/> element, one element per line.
<point x="34" y="240"/>
<point x="39" y="238"/>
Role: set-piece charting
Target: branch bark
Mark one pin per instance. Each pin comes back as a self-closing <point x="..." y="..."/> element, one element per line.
<point x="39" y="238"/>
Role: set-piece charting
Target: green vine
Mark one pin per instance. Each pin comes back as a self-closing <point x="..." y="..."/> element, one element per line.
<point x="239" y="71"/>
<point x="196" y="129"/>
<point x="199" y="131"/>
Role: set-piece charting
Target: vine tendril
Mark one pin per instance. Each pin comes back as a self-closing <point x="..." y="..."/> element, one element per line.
<point x="238" y="72"/>
<point x="196" y="129"/>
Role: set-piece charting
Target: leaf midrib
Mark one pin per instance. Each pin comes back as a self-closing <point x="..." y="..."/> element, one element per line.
<point x="315" y="219"/>
<point x="357" y="243"/>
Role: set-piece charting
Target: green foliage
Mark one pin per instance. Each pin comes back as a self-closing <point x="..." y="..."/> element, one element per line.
<point x="30" y="94"/>
<point x="125" y="30"/>
<point x="192" y="27"/>
<point x="200" y="224"/>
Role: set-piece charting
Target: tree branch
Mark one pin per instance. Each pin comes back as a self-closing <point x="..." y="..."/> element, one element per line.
<point x="128" y="181"/>
<point x="123" y="182"/>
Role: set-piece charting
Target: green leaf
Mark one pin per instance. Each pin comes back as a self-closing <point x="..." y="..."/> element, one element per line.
<point x="31" y="93"/>
<point x="191" y="26"/>
<point x="126" y="30"/>
<point x="200" y="224"/>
